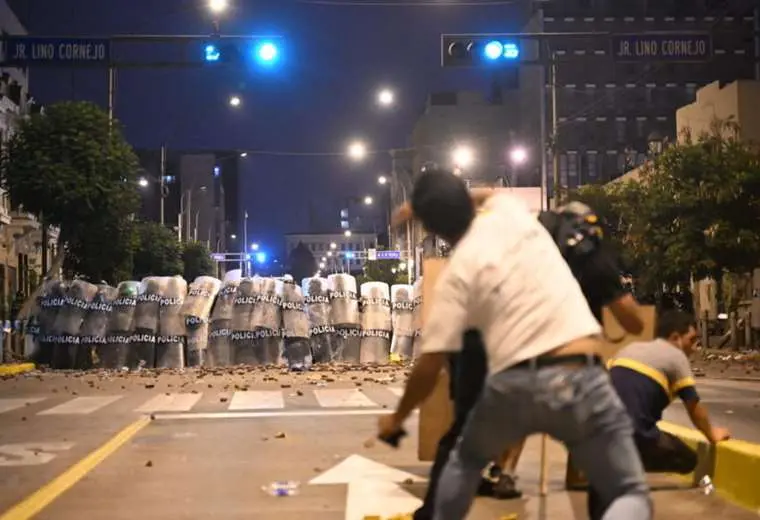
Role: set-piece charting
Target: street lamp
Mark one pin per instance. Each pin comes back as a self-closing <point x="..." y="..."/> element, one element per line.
<point x="233" y="236"/>
<point x="143" y="182"/>
<point x="321" y="265"/>
<point x="244" y="155"/>
<point x="235" y="101"/>
<point x="382" y="180"/>
<point x="518" y="155"/>
<point x="347" y="233"/>
<point x="255" y="246"/>
<point x="333" y="245"/>
<point x="367" y="200"/>
<point x="357" y="151"/>
<point x="385" y="97"/>
<point x="217" y="6"/>
<point x="463" y="156"/>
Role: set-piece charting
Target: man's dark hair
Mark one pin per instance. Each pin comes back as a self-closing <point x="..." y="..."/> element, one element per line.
<point x="674" y="322"/>
<point x="441" y="201"/>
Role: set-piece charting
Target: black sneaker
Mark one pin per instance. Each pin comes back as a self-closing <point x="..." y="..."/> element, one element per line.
<point x="505" y="488"/>
<point x="486" y="488"/>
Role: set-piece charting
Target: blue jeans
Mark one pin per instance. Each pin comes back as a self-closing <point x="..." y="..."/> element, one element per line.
<point x="577" y="406"/>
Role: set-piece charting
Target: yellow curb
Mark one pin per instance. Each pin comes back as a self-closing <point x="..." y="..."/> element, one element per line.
<point x="17" y="368"/>
<point x="737" y="466"/>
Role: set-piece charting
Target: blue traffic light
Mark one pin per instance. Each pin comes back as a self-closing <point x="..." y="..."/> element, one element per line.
<point x="496" y="50"/>
<point x="212" y="53"/>
<point x="266" y="52"/>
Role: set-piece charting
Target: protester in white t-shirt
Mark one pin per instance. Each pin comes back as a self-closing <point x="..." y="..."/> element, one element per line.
<point x="507" y="278"/>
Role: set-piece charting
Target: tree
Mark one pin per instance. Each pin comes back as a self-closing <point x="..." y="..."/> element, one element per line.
<point x="197" y="261"/>
<point x="74" y="169"/>
<point x="382" y="271"/>
<point x="157" y="251"/>
<point x="302" y="263"/>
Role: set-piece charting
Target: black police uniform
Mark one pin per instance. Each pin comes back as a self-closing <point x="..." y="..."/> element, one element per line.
<point x="596" y="269"/>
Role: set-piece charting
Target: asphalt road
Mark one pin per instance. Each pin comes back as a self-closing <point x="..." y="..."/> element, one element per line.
<point x="733" y="404"/>
<point x="85" y="447"/>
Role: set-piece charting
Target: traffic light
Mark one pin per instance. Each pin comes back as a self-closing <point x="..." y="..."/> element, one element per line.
<point x="263" y="52"/>
<point x="479" y="51"/>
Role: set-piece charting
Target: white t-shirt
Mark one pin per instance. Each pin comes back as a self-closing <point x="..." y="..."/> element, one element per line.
<point x="507" y="278"/>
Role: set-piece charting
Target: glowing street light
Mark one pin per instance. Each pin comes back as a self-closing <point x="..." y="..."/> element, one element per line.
<point x="463" y="156"/>
<point x="367" y="200"/>
<point x="233" y="236"/>
<point x="217" y="6"/>
<point x="143" y="182"/>
<point x="347" y="233"/>
<point x="255" y="246"/>
<point x="382" y="179"/>
<point x="235" y="101"/>
<point x="333" y="245"/>
<point x="357" y="151"/>
<point x="518" y="155"/>
<point x="385" y="97"/>
<point x="244" y="155"/>
<point x="321" y="265"/>
<point x="329" y="254"/>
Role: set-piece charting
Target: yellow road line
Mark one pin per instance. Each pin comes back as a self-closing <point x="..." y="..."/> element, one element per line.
<point x="14" y="369"/>
<point x="41" y="498"/>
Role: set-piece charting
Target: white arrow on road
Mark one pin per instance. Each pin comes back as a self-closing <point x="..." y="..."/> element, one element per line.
<point x="372" y="488"/>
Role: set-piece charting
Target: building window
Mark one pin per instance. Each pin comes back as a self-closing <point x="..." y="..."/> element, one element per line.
<point x="591" y="166"/>
<point x="572" y="165"/>
<point x="620" y="130"/>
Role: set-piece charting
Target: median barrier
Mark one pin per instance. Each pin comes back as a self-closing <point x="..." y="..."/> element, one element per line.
<point x="13" y="369"/>
<point x="733" y="465"/>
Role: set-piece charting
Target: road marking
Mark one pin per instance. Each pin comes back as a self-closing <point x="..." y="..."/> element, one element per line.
<point x="373" y="489"/>
<point x="264" y="415"/>
<point x="81" y="405"/>
<point x="41" y="498"/>
<point x="170" y="403"/>
<point x="257" y="400"/>
<point x="343" y="398"/>
<point x="6" y="405"/>
<point x="396" y="390"/>
<point x="31" y="453"/>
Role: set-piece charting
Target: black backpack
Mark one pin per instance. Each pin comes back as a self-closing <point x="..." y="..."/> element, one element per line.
<point x="575" y="229"/>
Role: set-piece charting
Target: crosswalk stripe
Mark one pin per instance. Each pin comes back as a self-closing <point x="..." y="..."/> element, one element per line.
<point x="170" y="403"/>
<point x="343" y="398"/>
<point x="81" y="405"/>
<point x="397" y="391"/>
<point x="8" y="404"/>
<point x="257" y="400"/>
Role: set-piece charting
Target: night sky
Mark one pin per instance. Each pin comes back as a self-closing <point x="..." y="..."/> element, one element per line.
<point x="321" y="96"/>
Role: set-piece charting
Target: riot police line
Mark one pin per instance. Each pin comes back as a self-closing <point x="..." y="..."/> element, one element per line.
<point x="168" y="322"/>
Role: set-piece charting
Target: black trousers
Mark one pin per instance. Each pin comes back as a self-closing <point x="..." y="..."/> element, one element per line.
<point x="468" y="371"/>
<point x="665" y="454"/>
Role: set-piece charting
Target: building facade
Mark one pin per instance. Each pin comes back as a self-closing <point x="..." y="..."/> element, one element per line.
<point x="609" y="111"/>
<point x="336" y="251"/>
<point x="737" y="102"/>
<point x="21" y="234"/>
<point x="201" y="195"/>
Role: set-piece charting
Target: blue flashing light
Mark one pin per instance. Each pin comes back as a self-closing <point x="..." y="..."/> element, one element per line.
<point x="493" y="50"/>
<point x="212" y="53"/>
<point x="349" y="254"/>
<point x="511" y="51"/>
<point x="217" y="171"/>
<point x="498" y="50"/>
<point x="261" y="258"/>
<point x="266" y="52"/>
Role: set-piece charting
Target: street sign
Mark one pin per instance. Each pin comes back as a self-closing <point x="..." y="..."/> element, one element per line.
<point x="671" y="47"/>
<point x="218" y="257"/>
<point x="59" y="51"/>
<point x="389" y="255"/>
